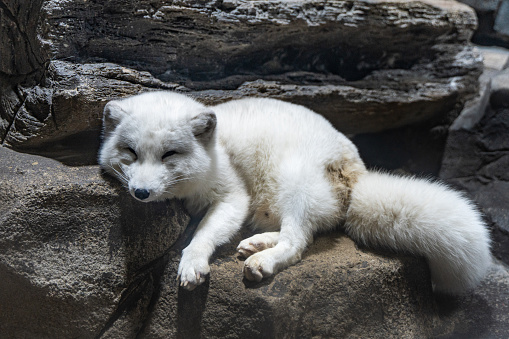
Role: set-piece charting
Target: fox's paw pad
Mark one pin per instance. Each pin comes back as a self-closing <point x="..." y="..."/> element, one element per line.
<point x="192" y="273"/>
<point x="257" y="267"/>
<point x="255" y="244"/>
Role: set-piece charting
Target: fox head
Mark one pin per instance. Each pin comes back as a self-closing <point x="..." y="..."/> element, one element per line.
<point x="157" y="144"/>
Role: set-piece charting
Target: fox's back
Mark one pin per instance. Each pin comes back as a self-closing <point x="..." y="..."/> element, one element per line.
<point x="267" y="128"/>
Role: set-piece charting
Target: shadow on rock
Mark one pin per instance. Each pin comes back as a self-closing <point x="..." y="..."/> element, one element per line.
<point x="190" y="308"/>
<point x="458" y="318"/>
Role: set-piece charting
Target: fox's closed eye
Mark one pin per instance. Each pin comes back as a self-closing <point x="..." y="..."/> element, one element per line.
<point x="168" y="154"/>
<point x="132" y="151"/>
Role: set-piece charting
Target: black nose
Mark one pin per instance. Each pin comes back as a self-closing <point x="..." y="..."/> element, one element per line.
<point x="141" y="194"/>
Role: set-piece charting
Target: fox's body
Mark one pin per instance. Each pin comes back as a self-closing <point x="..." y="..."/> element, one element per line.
<point x="284" y="152"/>
<point x="286" y="171"/>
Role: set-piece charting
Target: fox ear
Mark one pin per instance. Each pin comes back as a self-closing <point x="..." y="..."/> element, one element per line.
<point x="204" y="124"/>
<point x="112" y="115"/>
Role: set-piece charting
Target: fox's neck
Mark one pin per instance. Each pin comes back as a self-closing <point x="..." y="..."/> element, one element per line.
<point x="207" y="186"/>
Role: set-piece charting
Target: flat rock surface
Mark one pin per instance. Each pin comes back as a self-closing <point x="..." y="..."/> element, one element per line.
<point x="496" y="58"/>
<point x="336" y="290"/>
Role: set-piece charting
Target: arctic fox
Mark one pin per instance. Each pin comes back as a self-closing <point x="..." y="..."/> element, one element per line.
<point x="286" y="171"/>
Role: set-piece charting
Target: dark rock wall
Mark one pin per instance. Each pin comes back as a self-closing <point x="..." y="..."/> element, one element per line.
<point x="21" y="52"/>
<point x="366" y="66"/>
<point x="477" y="160"/>
<point x="196" y="43"/>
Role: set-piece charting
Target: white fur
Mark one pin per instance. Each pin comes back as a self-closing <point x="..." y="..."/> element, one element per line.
<point x="425" y="219"/>
<point x="286" y="171"/>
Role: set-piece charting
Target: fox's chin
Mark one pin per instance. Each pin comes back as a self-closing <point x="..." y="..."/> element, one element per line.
<point x="153" y="197"/>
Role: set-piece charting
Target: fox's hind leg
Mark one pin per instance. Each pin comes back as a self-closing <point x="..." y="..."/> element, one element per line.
<point x="305" y="203"/>
<point x="257" y="243"/>
<point x="292" y="242"/>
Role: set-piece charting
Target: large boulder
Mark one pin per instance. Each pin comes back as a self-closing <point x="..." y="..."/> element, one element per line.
<point x="80" y="258"/>
<point x="366" y="65"/>
<point x="70" y="244"/>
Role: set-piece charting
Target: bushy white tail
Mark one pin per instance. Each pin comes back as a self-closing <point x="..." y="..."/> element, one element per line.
<point x="423" y="218"/>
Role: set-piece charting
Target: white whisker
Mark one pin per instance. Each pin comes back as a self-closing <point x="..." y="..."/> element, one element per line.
<point x="121" y="176"/>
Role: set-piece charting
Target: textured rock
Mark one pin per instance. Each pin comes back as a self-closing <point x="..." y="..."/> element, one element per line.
<point x="197" y="42"/>
<point x="21" y="54"/>
<point x="474" y="109"/>
<point x="70" y="244"/>
<point x="494" y="60"/>
<point x="366" y="65"/>
<point x="81" y="258"/>
<point x="477" y="160"/>
<point x="482" y="314"/>
<point x="335" y="291"/>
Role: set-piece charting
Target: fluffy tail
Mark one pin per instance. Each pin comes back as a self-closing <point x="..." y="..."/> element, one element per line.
<point x="423" y="218"/>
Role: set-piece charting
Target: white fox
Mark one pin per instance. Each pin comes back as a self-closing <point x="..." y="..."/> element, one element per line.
<point x="286" y="171"/>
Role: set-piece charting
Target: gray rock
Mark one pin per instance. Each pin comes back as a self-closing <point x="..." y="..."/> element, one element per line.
<point x="198" y="43"/>
<point x="475" y="160"/>
<point x="366" y="65"/>
<point x="21" y="52"/>
<point x="493" y="17"/>
<point x="500" y="90"/>
<point x="495" y="60"/>
<point x="474" y="109"/>
<point x="71" y="244"/>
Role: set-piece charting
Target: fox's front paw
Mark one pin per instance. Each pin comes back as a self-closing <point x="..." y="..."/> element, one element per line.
<point x="192" y="271"/>
<point x="257" y="243"/>
<point x="258" y="266"/>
